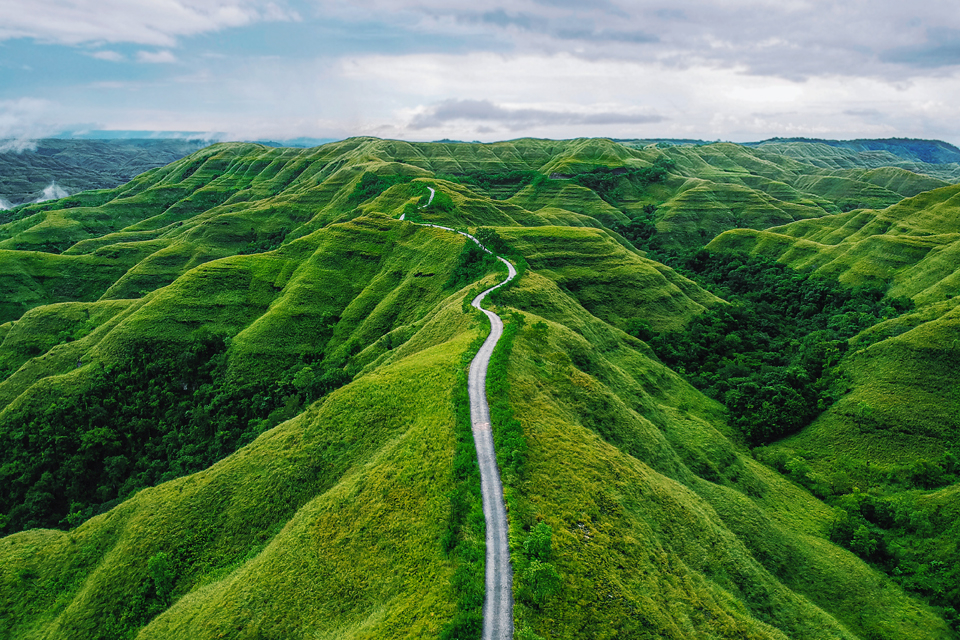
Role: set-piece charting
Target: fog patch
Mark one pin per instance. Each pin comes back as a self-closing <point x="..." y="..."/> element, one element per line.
<point x="52" y="192"/>
<point x="17" y="146"/>
<point x="5" y="204"/>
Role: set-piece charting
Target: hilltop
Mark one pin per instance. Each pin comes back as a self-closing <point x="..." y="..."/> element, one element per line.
<point x="232" y="395"/>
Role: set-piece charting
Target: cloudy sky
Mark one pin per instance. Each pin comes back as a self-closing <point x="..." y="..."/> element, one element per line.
<point x="482" y="70"/>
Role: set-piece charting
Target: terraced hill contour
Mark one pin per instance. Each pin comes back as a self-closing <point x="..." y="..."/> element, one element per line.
<point x="338" y="501"/>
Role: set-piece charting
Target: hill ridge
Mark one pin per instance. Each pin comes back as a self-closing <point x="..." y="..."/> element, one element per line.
<point x="231" y="392"/>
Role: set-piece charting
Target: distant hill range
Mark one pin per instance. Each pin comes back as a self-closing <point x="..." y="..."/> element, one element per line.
<point x="56" y="167"/>
<point x="49" y="168"/>
<point x="929" y="151"/>
<point x="934" y="158"/>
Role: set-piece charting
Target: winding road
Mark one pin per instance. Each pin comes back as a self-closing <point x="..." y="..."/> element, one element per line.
<point x="498" y="598"/>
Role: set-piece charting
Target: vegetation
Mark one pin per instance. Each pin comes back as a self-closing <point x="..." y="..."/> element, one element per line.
<point x="471" y="263"/>
<point x="463" y="539"/>
<point x="509" y="439"/>
<point x="372" y="185"/>
<point x="608" y="182"/>
<point x="771" y="356"/>
<point x="80" y="165"/>
<point x="498" y="185"/>
<point x="316" y="477"/>
<point x="154" y="415"/>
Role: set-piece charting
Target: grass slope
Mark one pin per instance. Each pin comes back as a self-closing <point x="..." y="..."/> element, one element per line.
<point x="911" y="245"/>
<point x="883" y="454"/>
<point x="659" y="520"/>
<point x="333" y="522"/>
<point x="285" y="536"/>
<point x="246" y="198"/>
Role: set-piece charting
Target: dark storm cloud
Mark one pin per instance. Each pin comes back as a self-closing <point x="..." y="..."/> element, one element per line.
<point x="488" y="112"/>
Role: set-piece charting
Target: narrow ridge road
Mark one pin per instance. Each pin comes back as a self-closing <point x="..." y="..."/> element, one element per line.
<point x="498" y="596"/>
<point x="498" y="599"/>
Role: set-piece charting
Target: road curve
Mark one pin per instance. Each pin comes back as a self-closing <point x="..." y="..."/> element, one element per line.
<point x="433" y="193"/>
<point x="498" y="598"/>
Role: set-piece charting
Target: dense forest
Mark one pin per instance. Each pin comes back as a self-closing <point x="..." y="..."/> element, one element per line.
<point x="772" y="355"/>
<point x="154" y="415"/>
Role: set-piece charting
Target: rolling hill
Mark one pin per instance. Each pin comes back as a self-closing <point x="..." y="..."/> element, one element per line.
<point x="46" y="168"/>
<point x="232" y="398"/>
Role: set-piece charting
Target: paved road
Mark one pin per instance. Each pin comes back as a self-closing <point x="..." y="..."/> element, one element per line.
<point x="429" y="200"/>
<point x="498" y="599"/>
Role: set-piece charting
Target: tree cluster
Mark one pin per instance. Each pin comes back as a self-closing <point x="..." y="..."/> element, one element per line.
<point x="372" y="185"/>
<point x="156" y="414"/>
<point x="771" y="356"/>
<point x="608" y="183"/>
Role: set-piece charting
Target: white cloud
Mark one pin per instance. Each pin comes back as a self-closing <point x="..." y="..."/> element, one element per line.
<point x="796" y="39"/>
<point x="24" y="120"/>
<point x="17" y="145"/>
<point x="148" y="22"/>
<point x="424" y="69"/>
<point x="547" y="96"/>
<point x="109" y="56"/>
<point x="518" y="117"/>
<point x="156" y="57"/>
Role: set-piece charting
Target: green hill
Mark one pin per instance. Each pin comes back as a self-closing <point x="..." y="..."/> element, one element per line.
<point x="907" y="246"/>
<point x="232" y="397"/>
<point x="930" y="158"/>
<point x="79" y="165"/>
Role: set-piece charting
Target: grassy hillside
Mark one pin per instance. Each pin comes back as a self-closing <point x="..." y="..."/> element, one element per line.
<point x="937" y="160"/>
<point x="631" y="469"/>
<point x="908" y="246"/>
<point x="231" y="397"/>
<point x="885" y="453"/>
<point x="80" y="165"/>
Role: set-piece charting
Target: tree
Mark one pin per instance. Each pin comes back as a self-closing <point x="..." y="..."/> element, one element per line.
<point x="162" y="575"/>
<point x="863" y="543"/>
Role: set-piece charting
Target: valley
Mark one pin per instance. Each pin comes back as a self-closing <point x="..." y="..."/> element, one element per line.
<point x="235" y="393"/>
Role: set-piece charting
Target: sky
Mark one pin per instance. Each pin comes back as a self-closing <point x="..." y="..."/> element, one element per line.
<point x="737" y="70"/>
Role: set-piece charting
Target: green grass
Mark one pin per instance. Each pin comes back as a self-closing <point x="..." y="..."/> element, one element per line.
<point x="909" y="247"/>
<point x="610" y="281"/>
<point x="336" y="460"/>
<point x="635" y="493"/>
<point x="631" y="469"/>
